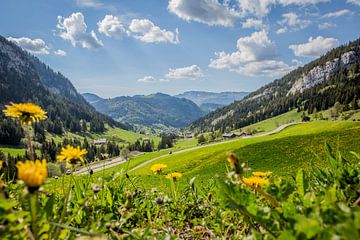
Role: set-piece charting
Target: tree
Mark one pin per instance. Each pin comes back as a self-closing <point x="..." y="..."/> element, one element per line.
<point x="201" y="139"/>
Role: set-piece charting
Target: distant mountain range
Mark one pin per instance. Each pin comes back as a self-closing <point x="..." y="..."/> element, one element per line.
<point x="24" y="78"/>
<point x="334" y="77"/>
<point x="148" y="110"/>
<point x="210" y="101"/>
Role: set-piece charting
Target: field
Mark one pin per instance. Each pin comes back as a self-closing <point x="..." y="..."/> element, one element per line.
<point x="272" y="123"/>
<point x="128" y="203"/>
<point x="299" y="146"/>
<point x="116" y="135"/>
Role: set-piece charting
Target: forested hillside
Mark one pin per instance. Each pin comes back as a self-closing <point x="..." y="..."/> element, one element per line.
<point x="149" y="110"/>
<point x="334" y="77"/>
<point x="24" y="78"/>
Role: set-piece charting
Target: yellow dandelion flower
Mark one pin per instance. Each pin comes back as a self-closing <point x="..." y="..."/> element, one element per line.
<point x="255" y="181"/>
<point x="262" y="174"/>
<point x="174" y="176"/>
<point x="157" y="168"/>
<point x="1" y="164"/>
<point x="27" y="113"/>
<point x="71" y="154"/>
<point x="33" y="173"/>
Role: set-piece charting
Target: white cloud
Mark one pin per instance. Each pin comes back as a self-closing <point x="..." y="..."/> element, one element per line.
<point x="89" y="4"/>
<point x="73" y="28"/>
<point x="147" y="79"/>
<point x="282" y="30"/>
<point x="255" y="7"/>
<point x="255" y="47"/>
<point x="149" y="32"/>
<point x="301" y="2"/>
<point x="270" y="68"/>
<point x="291" y="21"/>
<point x="253" y="23"/>
<point x="192" y="72"/>
<point x="326" y="25"/>
<point x="60" y="53"/>
<point x="112" y="27"/>
<point x="210" y="12"/>
<point x="35" y="46"/>
<point x="337" y="13"/>
<point x="314" y="47"/>
<point x="254" y="57"/>
<point x="356" y="2"/>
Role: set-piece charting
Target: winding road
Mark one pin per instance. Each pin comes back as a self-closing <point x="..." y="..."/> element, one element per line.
<point x="120" y="160"/>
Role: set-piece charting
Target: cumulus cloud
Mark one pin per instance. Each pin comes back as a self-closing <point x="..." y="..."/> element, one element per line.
<point x="255" y="47"/>
<point x="314" y="47"/>
<point x="210" y="12"/>
<point x="147" y="31"/>
<point x="338" y="13"/>
<point x="301" y="2"/>
<point x="254" y="57"/>
<point x="60" y="53"/>
<point x="111" y="26"/>
<point x="326" y="25"/>
<point x="255" y="7"/>
<point x="35" y="46"/>
<point x="192" y="72"/>
<point x="253" y="23"/>
<point x="356" y="2"/>
<point x="74" y="29"/>
<point x="291" y="22"/>
<point x="147" y="79"/>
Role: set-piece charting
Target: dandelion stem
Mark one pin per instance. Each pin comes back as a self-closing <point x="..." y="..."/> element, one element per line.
<point x="32" y="201"/>
<point x="30" y="146"/>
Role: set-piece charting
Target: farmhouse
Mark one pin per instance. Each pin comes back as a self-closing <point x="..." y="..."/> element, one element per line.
<point x="229" y="135"/>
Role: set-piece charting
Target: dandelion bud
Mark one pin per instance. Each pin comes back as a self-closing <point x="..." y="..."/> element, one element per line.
<point x="234" y="162"/>
<point x="96" y="188"/>
<point x="209" y="196"/>
<point x="128" y="194"/>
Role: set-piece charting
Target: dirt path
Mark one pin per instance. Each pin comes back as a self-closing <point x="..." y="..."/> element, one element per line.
<point x="117" y="161"/>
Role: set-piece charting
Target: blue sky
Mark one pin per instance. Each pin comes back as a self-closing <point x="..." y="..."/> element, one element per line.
<point x="127" y="47"/>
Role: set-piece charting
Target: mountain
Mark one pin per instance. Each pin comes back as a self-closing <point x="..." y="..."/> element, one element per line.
<point x="210" y="101"/>
<point x="24" y="78"/>
<point x="91" y="98"/>
<point x="334" y="77"/>
<point x="149" y="110"/>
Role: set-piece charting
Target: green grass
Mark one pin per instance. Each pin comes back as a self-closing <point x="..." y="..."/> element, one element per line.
<point x="272" y="123"/>
<point x="281" y="153"/>
<point x="117" y="135"/>
<point x="14" y="151"/>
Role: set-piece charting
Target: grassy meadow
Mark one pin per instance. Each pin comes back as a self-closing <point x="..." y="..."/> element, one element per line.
<point x="299" y="146"/>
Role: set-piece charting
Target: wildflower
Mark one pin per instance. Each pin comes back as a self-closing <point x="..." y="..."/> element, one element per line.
<point x="157" y="168"/>
<point x="1" y="164"/>
<point x="33" y="173"/>
<point x="255" y="181"/>
<point x="262" y="174"/>
<point x="27" y="113"/>
<point x="174" y="176"/>
<point x="71" y="154"/>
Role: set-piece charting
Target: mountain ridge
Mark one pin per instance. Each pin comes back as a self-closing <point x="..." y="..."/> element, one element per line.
<point x="24" y="78"/>
<point x="333" y="77"/>
<point x="149" y="110"/>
